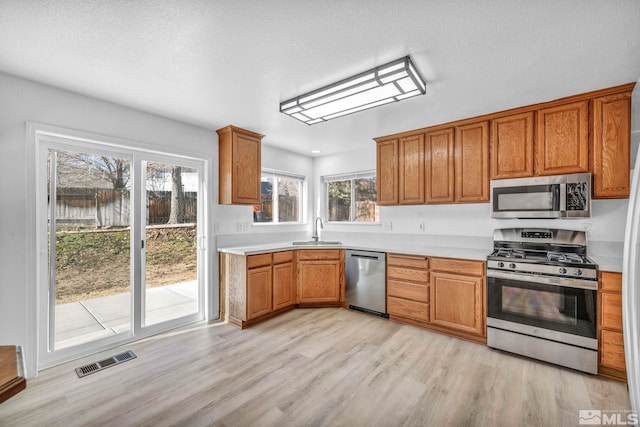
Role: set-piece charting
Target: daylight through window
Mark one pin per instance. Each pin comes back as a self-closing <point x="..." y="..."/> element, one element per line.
<point x="280" y="198"/>
<point x="351" y="197"/>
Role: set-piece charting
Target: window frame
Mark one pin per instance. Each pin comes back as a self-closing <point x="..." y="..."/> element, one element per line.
<point x="276" y="174"/>
<point x="353" y="176"/>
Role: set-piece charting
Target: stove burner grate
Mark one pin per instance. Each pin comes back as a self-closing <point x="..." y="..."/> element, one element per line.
<point x="565" y="257"/>
<point x="511" y="253"/>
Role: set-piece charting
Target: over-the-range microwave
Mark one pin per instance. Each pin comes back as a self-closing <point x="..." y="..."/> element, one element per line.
<point x="557" y="196"/>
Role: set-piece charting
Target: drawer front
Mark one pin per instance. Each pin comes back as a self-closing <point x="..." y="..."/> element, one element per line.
<point x="421" y="276"/>
<point x="318" y="254"/>
<point x="473" y="268"/>
<point x="258" y="260"/>
<point x="612" y="350"/>
<point x="411" y="261"/>
<point x="408" y="309"/>
<point x="410" y="291"/>
<point x="611" y="281"/>
<point x="281" y="257"/>
<point x="611" y="311"/>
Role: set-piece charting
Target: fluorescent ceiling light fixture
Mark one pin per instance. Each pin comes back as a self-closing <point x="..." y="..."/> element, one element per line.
<point x="387" y="83"/>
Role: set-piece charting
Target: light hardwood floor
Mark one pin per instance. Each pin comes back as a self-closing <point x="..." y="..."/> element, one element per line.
<point x="312" y="367"/>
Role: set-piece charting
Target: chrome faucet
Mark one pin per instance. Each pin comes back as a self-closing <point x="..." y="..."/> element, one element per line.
<point x="315" y="236"/>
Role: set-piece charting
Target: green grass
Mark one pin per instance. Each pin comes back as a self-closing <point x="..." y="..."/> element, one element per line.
<point x="165" y="246"/>
<point x="82" y="249"/>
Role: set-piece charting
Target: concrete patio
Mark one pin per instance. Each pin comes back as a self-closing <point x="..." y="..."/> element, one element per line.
<point x="85" y="321"/>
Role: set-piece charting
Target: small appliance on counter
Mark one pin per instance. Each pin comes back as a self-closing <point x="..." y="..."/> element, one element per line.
<point x="542" y="296"/>
<point x="366" y="289"/>
<point x="558" y="196"/>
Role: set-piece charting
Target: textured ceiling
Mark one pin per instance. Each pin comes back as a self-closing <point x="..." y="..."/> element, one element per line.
<point x="214" y="63"/>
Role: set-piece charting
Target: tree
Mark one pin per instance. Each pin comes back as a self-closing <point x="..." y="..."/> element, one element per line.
<point x="85" y="170"/>
<point x="177" y="197"/>
<point x="117" y="171"/>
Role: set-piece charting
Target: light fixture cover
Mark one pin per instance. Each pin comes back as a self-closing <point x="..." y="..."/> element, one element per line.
<point x="386" y="83"/>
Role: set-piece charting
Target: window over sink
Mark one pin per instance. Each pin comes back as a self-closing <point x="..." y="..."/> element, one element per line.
<point x="280" y="198"/>
<point x="351" y="197"/>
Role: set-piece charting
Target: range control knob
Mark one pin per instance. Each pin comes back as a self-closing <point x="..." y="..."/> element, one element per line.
<point x="577" y="272"/>
<point x="512" y="265"/>
<point x="501" y="264"/>
<point x="563" y="270"/>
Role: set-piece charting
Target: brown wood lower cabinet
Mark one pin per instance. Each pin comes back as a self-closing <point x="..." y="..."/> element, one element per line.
<point x="610" y="338"/>
<point x="320" y="277"/>
<point x="284" y="286"/>
<point x="256" y="287"/>
<point x="408" y="287"/>
<point x="259" y="291"/>
<point x="443" y="294"/>
<point x="457" y="302"/>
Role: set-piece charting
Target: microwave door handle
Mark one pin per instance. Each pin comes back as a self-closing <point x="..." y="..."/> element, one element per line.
<point x="563" y="200"/>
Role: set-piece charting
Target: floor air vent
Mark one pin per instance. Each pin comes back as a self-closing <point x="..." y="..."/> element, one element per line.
<point x="85" y="370"/>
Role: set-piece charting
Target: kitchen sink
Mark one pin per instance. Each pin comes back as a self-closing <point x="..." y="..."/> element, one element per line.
<point x="317" y="243"/>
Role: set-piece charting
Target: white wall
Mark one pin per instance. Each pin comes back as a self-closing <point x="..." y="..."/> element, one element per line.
<point x="228" y="219"/>
<point x="606" y="223"/>
<point x="24" y="101"/>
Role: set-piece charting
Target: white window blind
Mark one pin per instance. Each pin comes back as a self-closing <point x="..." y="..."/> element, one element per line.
<point x="349" y="176"/>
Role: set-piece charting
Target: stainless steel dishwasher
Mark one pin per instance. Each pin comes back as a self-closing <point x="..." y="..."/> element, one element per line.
<point x="366" y="282"/>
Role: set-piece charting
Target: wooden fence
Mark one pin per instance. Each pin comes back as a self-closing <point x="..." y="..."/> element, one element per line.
<point x="99" y="207"/>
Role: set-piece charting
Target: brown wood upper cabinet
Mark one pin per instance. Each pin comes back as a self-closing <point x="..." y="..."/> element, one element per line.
<point x="439" y="162"/>
<point x="239" y="161"/>
<point x="457" y="164"/>
<point x="472" y="162"/>
<point x="512" y="146"/>
<point x="589" y="132"/>
<point x="411" y="170"/>
<point x="400" y="171"/>
<point x="387" y="172"/>
<point x="611" y="121"/>
<point x="562" y="142"/>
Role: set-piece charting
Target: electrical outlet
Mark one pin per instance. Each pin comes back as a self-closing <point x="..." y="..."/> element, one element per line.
<point x="245" y="226"/>
<point x="216" y="227"/>
<point x="388" y="226"/>
<point x="421" y="226"/>
<point x="239" y="227"/>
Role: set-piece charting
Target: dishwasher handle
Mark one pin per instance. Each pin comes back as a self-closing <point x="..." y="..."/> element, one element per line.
<point x="364" y="256"/>
<point x="378" y="256"/>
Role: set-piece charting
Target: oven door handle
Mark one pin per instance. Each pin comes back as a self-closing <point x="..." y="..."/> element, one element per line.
<point x="591" y="285"/>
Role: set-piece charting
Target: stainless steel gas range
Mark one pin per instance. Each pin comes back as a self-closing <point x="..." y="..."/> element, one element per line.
<point x="542" y="293"/>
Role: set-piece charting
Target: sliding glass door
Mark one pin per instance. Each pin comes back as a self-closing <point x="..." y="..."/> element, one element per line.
<point x="171" y="242"/>
<point x="121" y="243"/>
<point x="89" y="246"/>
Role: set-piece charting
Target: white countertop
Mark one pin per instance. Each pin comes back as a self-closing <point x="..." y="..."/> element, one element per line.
<point x="437" y="251"/>
<point x="606" y="263"/>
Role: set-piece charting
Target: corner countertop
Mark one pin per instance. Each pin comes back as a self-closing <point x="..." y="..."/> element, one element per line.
<point x="608" y="263"/>
<point x="413" y="249"/>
